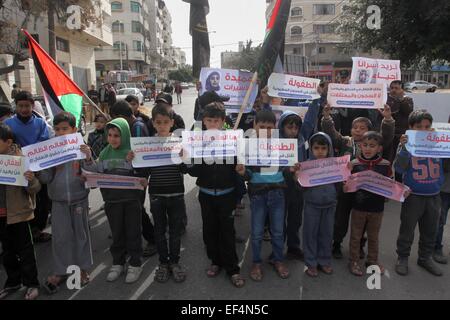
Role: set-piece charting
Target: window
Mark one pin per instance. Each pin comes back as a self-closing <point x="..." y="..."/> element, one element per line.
<point x="135" y="7"/>
<point x="136" y="26"/>
<point x="117" y="45"/>
<point x="118" y="27"/>
<point x="324" y="9"/>
<point x="137" y="45"/>
<point x="116" y="6"/>
<point x="322" y="50"/>
<point x="296" y="12"/>
<point x="62" y="45"/>
<point x="297" y="51"/>
<point x="295" y="31"/>
<point x="323" y="28"/>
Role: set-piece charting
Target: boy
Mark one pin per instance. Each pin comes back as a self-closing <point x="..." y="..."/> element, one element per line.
<point x="5" y="111"/>
<point x="217" y="199"/>
<point x="438" y="255"/>
<point x="424" y="176"/>
<point x="351" y="145"/>
<point x="71" y="241"/>
<point x="367" y="208"/>
<point x="16" y="210"/>
<point x="320" y="205"/>
<point x="122" y="206"/>
<point x="266" y="191"/>
<point x="97" y="138"/>
<point x="166" y="100"/>
<point x="134" y="104"/>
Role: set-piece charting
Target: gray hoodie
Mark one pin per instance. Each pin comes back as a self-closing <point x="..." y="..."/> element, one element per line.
<point x="323" y="196"/>
<point x="64" y="183"/>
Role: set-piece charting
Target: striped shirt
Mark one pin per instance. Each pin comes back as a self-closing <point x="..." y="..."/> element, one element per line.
<point x="166" y="180"/>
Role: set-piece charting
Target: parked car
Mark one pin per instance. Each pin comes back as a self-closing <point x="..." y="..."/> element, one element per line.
<point x="419" y="85"/>
<point x="184" y="85"/>
<point x="123" y="93"/>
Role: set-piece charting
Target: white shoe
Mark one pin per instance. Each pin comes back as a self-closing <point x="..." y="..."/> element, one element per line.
<point x="133" y="274"/>
<point x="114" y="273"/>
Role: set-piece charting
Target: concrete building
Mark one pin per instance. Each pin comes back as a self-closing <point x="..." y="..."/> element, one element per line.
<point x="179" y="58"/>
<point x="74" y="48"/>
<point x="227" y="58"/>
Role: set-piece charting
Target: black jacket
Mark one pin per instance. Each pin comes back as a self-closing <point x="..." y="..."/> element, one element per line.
<point x="214" y="176"/>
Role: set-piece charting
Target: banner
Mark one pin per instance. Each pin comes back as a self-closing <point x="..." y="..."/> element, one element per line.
<point x="362" y="96"/>
<point x="212" y="143"/>
<point x="377" y="183"/>
<point x="441" y="126"/>
<point x="156" y="151"/>
<point x="271" y="152"/>
<point x="12" y="169"/>
<point x="324" y="171"/>
<point x="293" y="87"/>
<point x="230" y="83"/>
<point x="366" y="70"/>
<point x="110" y="181"/>
<point x="53" y="152"/>
<point x="428" y="144"/>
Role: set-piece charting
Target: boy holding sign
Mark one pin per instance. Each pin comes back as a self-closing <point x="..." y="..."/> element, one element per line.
<point x="424" y="176"/>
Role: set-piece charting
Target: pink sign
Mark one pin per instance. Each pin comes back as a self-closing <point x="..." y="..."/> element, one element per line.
<point x="324" y="171"/>
<point x="110" y="181"/>
<point x="377" y="183"/>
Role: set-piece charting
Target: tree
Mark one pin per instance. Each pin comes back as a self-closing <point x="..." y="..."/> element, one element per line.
<point x="247" y="59"/>
<point x="183" y="74"/>
<point x="413" y="31"/>
<point x="10" y="33"/>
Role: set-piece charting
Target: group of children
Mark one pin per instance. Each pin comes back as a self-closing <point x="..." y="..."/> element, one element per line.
<point x="276" y="198"/>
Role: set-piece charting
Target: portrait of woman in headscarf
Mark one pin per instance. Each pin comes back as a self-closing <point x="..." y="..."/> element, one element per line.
<point x="213" y="82"/>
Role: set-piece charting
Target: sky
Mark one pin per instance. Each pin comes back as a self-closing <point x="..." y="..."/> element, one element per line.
<point x="229" y="21"/>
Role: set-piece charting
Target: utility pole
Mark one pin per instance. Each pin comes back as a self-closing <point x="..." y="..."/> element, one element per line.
<point x="120" y="55"/>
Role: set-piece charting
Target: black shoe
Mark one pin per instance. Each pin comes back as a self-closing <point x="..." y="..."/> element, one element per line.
<point x="337" y="253"/>
<point x="439" y="257"/>
<point x="430" y="267"/>
<point x="402" y="266"/>
<point x="295" y="254"/>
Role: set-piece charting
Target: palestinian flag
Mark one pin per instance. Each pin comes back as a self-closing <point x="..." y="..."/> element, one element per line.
<point x="60" y="92"/>
<point x="273" y="46"/>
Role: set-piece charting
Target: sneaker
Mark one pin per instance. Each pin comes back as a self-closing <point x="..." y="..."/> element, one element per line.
<point x="162" y="274"/>
<point x="114" y="273"/>
<point x="337" y="253"/>
<point x="149" y="250"/>
<point x="402" y="266"/>
<point x="430" y="267"/>
<point x="133" y="274"/>
<point x="439" y="257"/>
<point x="294" y="254"/>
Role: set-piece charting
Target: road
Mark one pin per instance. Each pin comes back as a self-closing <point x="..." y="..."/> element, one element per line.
<point x="341" y="285"/>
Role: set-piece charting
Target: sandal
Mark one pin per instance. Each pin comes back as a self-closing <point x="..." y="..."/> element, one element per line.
<point x="237" y="280"/>
<point x="281" y="270"/>
<point x="213" y="271"/>
<point x="179" y="275"/>
<point x="355" y="269"/>
<point x="52" y="283"/>
<point x="256" y="272"/>
<point x="312" y="272"/>
<point x="325" y="269"/>
<point x="8" y="291"/>
<point x="162" y="273"/>
<point x="32" y="293"/>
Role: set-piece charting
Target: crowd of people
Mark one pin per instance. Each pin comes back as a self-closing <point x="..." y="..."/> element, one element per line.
<point x="279" y="205"/>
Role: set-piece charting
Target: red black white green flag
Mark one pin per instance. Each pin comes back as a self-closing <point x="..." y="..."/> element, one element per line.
<point x="61" y="93"/>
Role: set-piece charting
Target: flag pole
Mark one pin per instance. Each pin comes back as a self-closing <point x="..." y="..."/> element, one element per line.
<point x="247" y="97"/>
<point x="92" y="103"/>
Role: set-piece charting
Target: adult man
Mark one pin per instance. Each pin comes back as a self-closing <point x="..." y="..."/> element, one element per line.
<point x="103" y="97"/>
<point x="14" y="91"/>
<point x="168" y="88"/>
<point x="93" y="95"/>
<point x="178" y="91"/>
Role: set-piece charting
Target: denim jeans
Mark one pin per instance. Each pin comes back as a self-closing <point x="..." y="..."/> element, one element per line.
<point x="445" y="206"/>
<point x="270" y="203"/>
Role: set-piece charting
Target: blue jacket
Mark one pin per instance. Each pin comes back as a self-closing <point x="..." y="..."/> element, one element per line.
<point x="34" y="131"/>
<point x="424" y="176"/>
<point x="324" y="196"/>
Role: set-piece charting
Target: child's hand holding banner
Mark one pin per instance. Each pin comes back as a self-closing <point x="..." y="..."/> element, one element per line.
<point x="429" y="144"/>
<point x="324" y="171"/>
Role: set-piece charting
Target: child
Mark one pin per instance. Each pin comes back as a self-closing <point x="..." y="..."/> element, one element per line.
<point x="71" y="240"/>
<point x="424" y="176"/>
<point x="266" y="190"/>
<point x="122" y="206"/>
<point x="350" y="145"/>
<point x="368" y="207"/>
<point x="438" y="255"/>
<point x="97" y="139"/>
<point x="318" y="211"/>
<point x="16" y="210"/>
<point x="6" y="111"/>
<point x="218" y="200"/>
<point x="167" y="204"/>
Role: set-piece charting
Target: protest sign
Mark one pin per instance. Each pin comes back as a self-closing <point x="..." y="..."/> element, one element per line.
<point x="12" y="169"/>
<point x="53" y="152"/>
<point x="324" y="171"/>
<point x="229" y="83"/>
<point x="441" y="126"/>
<point x="362" y="96"/>
<point x="429" y="144"/>
<point x="110" y="181"/>
<point x="271" y="152"/>
<point x="375" y="182"/>
<point x="212" y="143"/>
<point x="366" y="70"/>
<point x="156" y="151"/>
<point x="293" y="87"/>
